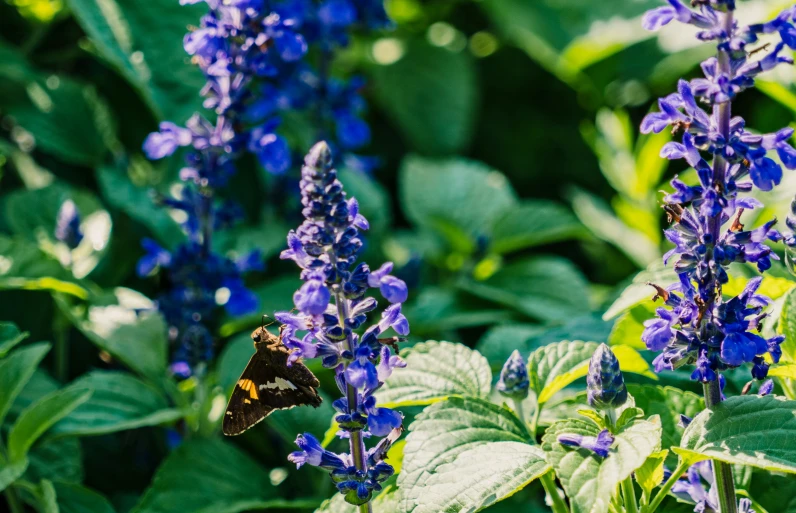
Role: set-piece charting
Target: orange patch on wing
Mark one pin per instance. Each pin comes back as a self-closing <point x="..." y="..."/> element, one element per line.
<point x="249" y="386"/>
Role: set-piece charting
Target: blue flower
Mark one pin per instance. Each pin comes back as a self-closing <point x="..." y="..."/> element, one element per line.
<point x="332" y="306"/>
<point x="766" y="388"/>
<point x="514" y="381"/>
<point x="698" y="326"/>
<point x="313" y="453"/>
<point x="67" y="225"/>
<point x="604" y="381"/>
<point x="599" y="445"/>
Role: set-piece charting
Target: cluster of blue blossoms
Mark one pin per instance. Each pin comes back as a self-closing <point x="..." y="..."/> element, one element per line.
<point x="332" y="306"/>
<point x="699" y="327"/>
<point x="253" y="54"/>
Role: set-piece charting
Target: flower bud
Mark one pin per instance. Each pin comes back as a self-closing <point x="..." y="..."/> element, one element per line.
<point x="514" y="381"/>
<point x="606" y="386"/>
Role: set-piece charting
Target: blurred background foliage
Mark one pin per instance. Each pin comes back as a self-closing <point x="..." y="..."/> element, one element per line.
<point x="514" y="195"/>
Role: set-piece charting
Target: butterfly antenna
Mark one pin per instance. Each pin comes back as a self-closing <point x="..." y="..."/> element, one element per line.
<point x="263" y="324"/>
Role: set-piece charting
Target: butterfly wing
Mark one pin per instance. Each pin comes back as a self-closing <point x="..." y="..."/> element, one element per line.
<point x="268" y="384"/>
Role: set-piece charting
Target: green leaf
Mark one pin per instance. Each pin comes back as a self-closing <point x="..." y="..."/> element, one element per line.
<point x="650" y="474"/>
<point x="668" y="403"/>
<point x="747" y="430"/>
<point x="138" y="203"/>
<point x="10" y="336"/>
<point x="207" y="476"/>
<point x="435" y="371"/>
<point x="43" y="495"/>
<point x="74" y="498"/>
<point x="25" y="266"/>
<point x="638" y="291"/>
<point x="440" y="194"/>
<point x="62" y="117"/>
<point x="588" y="479"/>
<point x="120" y="402"/>
<point x="373" y="199"/>
<point x="787" y="326"/>
<point x="123" y="322"/>
<point x="40" y="416"/>
<point x="598" y="217"/>
<point x="630" y="325"/>
<point x="56" y="459"/>
<point x="143" y="41"/>
<point x="532" y="223"/>
<point x="11" y="471"/>
<point x="553" y="367"/>
<point x="432" y="95"/>
<point x="499" y="341"/>
<point x="490" y="458"/>
<point x="16" y="370"/>
<point x="776" y="493"/>
<point x="437" y="309"/>
<point x="33" y="214"/>
<point x="544" y="288"/>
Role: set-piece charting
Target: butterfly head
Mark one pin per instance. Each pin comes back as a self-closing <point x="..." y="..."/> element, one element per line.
<point x="263" y="337"/>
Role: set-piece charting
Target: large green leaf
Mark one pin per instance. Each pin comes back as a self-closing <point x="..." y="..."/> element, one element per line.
<point x="15" y="371"/>
<point x="440" y="195"/>
<point x="23" y="265"/>
<point x="432" y="96"/>
<point x="639" y="290"/>
<point x="208" y="476"/>
<point x="668" y="403"/>
<point x="40" y="416"/>
<point x="143" y="41"/>
<point x="120" y="402"/>
<point x="553" y="367"/>
<point x="33" y="214"/>
<point x="74" y="498"/>
<point x="435" y="371"/>
<point x="499" y="341"/>
<point x="138" y="203"/>
<point x="534" y="222"/>
<point x="124" y="323"/>
<point x="746" y="430"/>
<point x="465" y="454"/>
<point x="588" y="479"/>
<point x="56" y="459"/>
<point x="10" y="336"/>
<point x="62" y="117"/>
<point x="545" y="288"/>
<point x="437" y="309"/>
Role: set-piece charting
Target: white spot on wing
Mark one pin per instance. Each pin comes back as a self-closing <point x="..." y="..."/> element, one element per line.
<point x="279" y="384"/>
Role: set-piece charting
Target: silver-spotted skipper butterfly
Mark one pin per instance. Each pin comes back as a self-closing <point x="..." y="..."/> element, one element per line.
<point x="268" y="384"/>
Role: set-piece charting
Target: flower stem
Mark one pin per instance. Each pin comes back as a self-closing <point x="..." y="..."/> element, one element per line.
<point x="14" y="505"/>
<point x="357" y="443"/>
<point x="722" y="472"/>
<point x="549" y="484"/>
<point x="629" y="495"/>
<point x="679" y="471"/>
<point x="519" y="410"/>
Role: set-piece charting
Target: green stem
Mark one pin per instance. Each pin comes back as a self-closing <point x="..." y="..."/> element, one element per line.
<point x="61" y="335"/>
<point x="629" y="494"/>
<point x="722" y="472"/>
<point x="549" y="484"/>
<point x="679" y="471"/>
<point x="535" y="420"/>
<point x="518" y="409"/>
<point x="14" y="505"/>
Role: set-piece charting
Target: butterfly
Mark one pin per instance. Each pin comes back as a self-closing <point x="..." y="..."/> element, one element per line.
<point x="268" y="384"/>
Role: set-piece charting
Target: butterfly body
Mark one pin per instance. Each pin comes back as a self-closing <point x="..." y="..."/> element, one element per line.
<point x="268" y="384"/>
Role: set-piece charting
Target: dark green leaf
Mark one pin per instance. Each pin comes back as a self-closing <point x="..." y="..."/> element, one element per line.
<point x="668" y="403"/>
<point x="74" y="498"/>
<point x="40" y="416"/>
<point x="56" y="459"/>
<point x="24" y="266"/>
<point x="440" y="194"/>
<point x="588" y="479"/>
<point x="787" y="326"/>
<point x="432" y="95"/>
<point x="120" y="402"/>
<point x="436" y="309"/>
<point x="10" y="336"/>
<point x="545" y="288"/>
<point x="144" y="42"/>
<point x="490" y="458"/>
<point x="124" y="323"/>
<point x="207" y="476"/>
<point x="15" y="371"/>
<point x="747" y="430"/>
<point x="534" y="222"/>
<point x="434" y="372"/>
<point x="638" y="290"/>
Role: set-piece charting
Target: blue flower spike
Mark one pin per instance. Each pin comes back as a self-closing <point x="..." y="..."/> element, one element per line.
<point x="514" y="382"/>
<point x="696" y="325"/>
<point x="605" y="383"/>
<point x="333" y="306"/>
